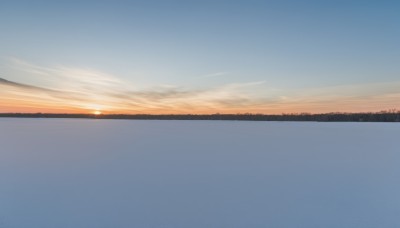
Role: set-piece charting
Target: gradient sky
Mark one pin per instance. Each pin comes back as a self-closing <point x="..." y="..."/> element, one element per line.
<point x="199" y="56"/>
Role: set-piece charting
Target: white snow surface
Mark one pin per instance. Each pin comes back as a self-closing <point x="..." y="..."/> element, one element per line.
<point x="77" y="173"/>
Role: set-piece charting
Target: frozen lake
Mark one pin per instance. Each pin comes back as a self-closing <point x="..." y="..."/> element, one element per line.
<point x="75" y="173"/>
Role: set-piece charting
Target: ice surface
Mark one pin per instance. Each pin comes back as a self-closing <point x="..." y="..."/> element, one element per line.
<point x="72" y="173"/>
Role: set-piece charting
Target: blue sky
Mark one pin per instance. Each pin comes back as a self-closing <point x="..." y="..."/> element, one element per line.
<point x="290" y="47"/>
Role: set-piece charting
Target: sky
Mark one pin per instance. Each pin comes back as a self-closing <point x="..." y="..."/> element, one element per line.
<point x="199" y="56"/>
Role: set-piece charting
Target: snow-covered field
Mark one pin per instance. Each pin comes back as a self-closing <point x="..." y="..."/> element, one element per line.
<point x="72" y="173"/>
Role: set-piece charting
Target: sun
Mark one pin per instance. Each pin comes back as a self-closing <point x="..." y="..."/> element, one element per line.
<point x="97" y="112"/>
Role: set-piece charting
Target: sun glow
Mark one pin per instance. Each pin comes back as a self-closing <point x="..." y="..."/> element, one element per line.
<point x="97" y="112"/>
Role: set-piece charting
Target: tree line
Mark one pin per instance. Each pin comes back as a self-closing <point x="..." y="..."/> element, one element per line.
<point x="383" y="116"/>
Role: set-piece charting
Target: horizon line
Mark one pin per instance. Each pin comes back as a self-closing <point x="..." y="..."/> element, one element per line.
<point x="388" y="111"/>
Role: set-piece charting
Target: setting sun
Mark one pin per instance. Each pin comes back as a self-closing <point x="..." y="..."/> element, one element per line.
<point x="97" y="112"/>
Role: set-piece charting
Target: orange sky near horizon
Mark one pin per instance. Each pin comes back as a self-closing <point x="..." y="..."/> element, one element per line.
<point x="73" y="90"/>
<point x="17" y="100"/>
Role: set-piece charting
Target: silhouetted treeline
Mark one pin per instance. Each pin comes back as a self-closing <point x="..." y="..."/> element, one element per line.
<point x="384" y="116"/>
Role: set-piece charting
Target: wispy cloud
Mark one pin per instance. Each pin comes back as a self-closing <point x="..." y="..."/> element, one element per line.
<point x="69" y="89"/>
<point x="217" y="74"/>
<point x="87" y="89"/>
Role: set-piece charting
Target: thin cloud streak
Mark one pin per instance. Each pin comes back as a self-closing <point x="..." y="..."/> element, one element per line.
<point x="217" y="74"/>
<point x="86" y="90"/>
<point x="67" y="89"/>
